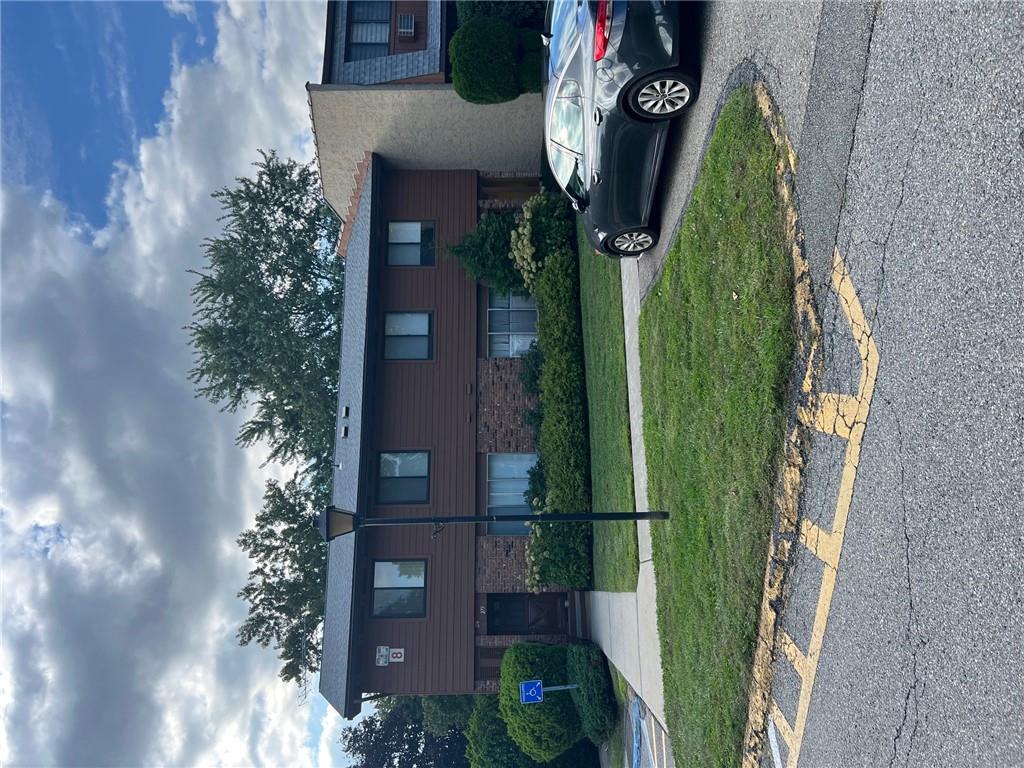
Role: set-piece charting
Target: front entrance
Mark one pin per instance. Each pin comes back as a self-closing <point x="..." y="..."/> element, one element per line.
<point x="519" y="613"/>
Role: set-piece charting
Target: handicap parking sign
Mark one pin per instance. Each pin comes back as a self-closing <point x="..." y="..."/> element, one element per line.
<point x="531" y="692"/>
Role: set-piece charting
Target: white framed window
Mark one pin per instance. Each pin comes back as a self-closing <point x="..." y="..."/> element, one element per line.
<point x="507" y="481"/>
<point x="511" y="324"/>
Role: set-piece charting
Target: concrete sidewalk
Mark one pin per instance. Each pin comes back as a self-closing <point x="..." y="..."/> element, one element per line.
<point x="625" y="624"/>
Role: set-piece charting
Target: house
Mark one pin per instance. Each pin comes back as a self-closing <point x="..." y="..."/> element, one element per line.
<point x="430" y="404"/>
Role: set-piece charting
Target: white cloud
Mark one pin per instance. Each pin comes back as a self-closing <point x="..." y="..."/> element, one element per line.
<point x="122" y="493"/>
<point x="187" y="10"/>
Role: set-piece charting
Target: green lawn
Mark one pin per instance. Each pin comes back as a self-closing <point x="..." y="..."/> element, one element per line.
<point x="716" y="351"/>
<point x="616" y="562"/>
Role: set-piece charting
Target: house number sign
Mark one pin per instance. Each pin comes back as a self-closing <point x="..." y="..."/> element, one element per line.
<point x="387" y="655"/>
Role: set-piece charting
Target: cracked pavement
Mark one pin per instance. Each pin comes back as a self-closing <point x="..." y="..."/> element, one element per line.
<point x="908" y="122"/>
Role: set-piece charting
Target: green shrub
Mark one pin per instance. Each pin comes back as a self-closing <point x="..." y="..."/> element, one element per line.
<point x="595" y="700"/>
<point x="582" y="754"/>
<point x="533" y="364"/>
<point x="560" y="553"/>
<point x="518" y="13"/>
<point x="546" y="730"/>
<point x="488" y="744"/>
<point x="530" y="67"/>
<point x="485" y="57"/>
<point x="485" y="254"/>
<point x="442" y="714"/>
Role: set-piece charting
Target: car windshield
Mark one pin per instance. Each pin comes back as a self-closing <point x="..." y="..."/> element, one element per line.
<point x="565" y="137"/>
<point x="565" y="125"/>
<point x="564" y="34"/>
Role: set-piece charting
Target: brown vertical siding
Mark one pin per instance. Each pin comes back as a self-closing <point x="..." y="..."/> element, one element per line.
<point x="429" y="405"/>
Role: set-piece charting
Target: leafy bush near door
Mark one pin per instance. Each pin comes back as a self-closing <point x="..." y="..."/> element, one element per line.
<point x="484" y="253"/>
<point x="546" y="730"/>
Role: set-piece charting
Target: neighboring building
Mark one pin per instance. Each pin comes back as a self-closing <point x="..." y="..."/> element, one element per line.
<point x="430" y="403"/>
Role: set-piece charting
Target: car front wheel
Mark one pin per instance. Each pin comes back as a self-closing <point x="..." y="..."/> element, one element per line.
<point x="662" y="96"/>
<point x="632" y="242"/>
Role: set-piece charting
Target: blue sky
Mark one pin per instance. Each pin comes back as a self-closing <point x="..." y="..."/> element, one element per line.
<point x="82" y="83"/>
<point x="122" y="494"/>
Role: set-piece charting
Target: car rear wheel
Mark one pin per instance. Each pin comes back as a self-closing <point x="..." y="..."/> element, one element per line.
<point x="632" y="242"/>
<point x="662" y="96"/>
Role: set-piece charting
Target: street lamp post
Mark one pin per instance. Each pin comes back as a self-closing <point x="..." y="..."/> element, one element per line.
<point x="338" y="522"/>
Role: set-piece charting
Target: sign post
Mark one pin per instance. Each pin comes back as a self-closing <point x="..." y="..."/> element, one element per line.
<point x="532" y="691"/>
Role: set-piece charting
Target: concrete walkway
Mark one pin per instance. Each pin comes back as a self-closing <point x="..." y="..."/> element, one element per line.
<point x="625" y="624"/>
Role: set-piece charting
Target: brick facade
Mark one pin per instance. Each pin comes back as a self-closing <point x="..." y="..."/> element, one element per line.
<point x="501" y="564"/>
<point x="501" y="403"/>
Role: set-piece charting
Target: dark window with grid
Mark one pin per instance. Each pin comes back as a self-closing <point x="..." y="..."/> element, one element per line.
<point x="369" y="25"/>
<point x="407" y="336"/>
<point x="411" y="243"/>
<point x="400" y="588"/>
<point x="511" y="324"/>
<point x="507" y="481"/>
<point x="404" y="478"/>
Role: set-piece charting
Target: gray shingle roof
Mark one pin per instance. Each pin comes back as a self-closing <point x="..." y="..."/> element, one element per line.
<point x="335" y="667"/>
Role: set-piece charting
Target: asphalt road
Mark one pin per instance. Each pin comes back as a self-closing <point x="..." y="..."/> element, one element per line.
<point x="908" y="121"/>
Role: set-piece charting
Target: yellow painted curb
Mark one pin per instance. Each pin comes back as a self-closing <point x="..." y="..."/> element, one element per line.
<point x="841" y="415"/>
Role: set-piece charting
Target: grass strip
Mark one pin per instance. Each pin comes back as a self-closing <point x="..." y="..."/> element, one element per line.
<point x="716" y="346"/>
<point x="616" y="562"/>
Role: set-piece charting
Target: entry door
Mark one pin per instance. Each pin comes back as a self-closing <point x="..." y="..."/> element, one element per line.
<point x="527" y="614"/>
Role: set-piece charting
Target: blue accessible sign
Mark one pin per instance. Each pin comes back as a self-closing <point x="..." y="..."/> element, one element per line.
<point x="531" y="692"/>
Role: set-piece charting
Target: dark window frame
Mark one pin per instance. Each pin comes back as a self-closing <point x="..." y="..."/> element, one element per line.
<point x="433" y="244"/>
<point x="381" y="48"/>
<point x="429" y="336"/>
<point x="403" y="502"/>
<point x="374" y="588"/>
<point x="491" y="528"/>
<point x="508" y="310"/>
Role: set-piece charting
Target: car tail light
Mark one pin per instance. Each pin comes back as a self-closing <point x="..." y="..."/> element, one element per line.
<point x="602" y="28"/>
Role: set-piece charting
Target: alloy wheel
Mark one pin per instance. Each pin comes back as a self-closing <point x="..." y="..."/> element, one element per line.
<point x="633" y="242"/>
<point x="665" y="96"/>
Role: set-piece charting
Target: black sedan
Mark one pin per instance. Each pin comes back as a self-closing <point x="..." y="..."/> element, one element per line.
<point x="612" y="83"/>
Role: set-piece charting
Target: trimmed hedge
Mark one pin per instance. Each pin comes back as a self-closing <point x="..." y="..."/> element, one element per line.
<point x="518" y="13"/>
<point x="560" y="553"/>
<point x="484" y="253"/>
<point x="531" y="61"/>
<point x="485" y="56"/>
<point x="546" y="730"/>
<point x="488" y="744"/>
<point x="595" y="700"/>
